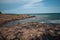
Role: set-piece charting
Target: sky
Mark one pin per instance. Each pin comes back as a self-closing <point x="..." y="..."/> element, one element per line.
<point x="30" y="6"/>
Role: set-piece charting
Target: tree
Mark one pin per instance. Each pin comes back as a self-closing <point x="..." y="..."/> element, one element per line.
<point x="0" y="12"/>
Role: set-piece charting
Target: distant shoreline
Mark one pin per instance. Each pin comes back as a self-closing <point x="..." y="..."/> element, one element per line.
<point x="32" y="13"/>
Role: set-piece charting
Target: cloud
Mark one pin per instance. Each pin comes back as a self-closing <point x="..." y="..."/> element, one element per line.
<point x="12" y="1"/>
<point x="30" y="4"/>
<point x="25" y="3"/>
<point x="35" y="10"/>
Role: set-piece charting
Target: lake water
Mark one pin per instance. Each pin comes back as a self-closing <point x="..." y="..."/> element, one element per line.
<point x="39" y="18"/>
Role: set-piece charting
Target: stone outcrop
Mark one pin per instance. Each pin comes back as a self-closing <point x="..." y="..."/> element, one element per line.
<point x="6" y="18"/>
<point x="31" y="31"/>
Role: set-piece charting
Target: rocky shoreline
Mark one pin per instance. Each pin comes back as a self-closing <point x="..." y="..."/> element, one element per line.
<point x="28" y="30"/>
<point x="4" y="18"/>
<point x="31" y="31"/>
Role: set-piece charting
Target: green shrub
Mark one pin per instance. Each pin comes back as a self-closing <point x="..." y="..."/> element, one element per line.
<point x="0" y="12"/>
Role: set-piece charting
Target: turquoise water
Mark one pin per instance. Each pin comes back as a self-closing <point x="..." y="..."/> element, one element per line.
<point x="47" y="18"/>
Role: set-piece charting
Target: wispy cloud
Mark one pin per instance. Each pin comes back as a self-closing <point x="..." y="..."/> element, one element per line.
<point x="12" y="1"/>
<point x="16" y="1"/>
<point x="24" y="4"/>
<point x="31" y="3"/>
<point x="29" y="6"/>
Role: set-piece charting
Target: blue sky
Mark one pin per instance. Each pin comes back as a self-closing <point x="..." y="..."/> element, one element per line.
<point x="30" y="6"/>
